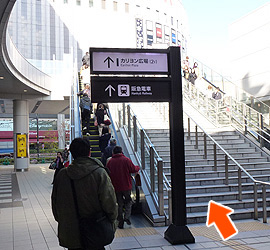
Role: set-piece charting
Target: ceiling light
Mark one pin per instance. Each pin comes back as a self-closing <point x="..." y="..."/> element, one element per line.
<point x="1" y="77"/>
<point x="25" y="90"/>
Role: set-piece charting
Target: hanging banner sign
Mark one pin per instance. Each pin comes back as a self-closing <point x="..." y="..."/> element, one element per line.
<point x="21" y="140"/>
<point x="129" y="89"/>
<point x="128" y="61"/>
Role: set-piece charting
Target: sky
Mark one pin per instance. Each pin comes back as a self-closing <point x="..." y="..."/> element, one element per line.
<point x="209" y="21"/>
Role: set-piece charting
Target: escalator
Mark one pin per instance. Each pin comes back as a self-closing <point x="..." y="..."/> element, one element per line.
<point x="137" y="219"/>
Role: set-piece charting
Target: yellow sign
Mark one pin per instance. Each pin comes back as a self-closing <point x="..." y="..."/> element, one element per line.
<point x="21" y="145"/>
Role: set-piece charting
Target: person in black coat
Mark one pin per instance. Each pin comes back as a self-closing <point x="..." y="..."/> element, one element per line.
<point x="108" y="151"/>
<point x="101" y="111"/>
<point x="104" y="139"/>
<point x="59" y="164"/>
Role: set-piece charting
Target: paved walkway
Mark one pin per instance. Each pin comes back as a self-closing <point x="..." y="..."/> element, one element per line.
<point x="27" y="223"/>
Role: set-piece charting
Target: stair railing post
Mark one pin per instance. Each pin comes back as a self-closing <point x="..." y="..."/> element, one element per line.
<point x="160" y="187"/>
<point x="245" y="119"/>
<point x="205" y="146"/>
<point x="128" y="120"/>
<point x="230" y="108"/>
<point x="135" y="133"/>
<point x="239" y="184"/>
<point x="226" y="170"/>
<point x="261" y="131"/>
<point x="124" y="114"/>
<point x="264" y="203"/>
<point x="255" y="201"/>
<point x="170" y="205"/>
<point x="196" y="136"/>
<point x="215" y="157"/>
<point x="152" y="169"/>
<point x="142" y="150"/>
<point x="188" y="128"/>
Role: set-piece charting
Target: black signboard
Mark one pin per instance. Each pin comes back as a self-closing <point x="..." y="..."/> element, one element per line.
<point x="130" y="89"/>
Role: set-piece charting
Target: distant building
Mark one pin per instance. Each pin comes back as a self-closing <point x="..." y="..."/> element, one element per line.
<point x="50" y="33"/>
<point x="250" y="52"/>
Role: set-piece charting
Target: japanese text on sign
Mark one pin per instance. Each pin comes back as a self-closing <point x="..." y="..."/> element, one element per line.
<point x="21" y="145"/>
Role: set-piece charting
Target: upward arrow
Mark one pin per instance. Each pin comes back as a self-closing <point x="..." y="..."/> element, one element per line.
<point x="218" y="215"/>
<point x="110" y="88"/>
<point x="109" y="60"/>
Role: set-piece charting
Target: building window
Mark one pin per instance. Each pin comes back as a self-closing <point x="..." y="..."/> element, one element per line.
<point x="126" y="7"/>
<point x="91" y="3"/>
<point x="114" y="5"/>
<point x="103" y="4"/>
<point x="78" y="2"/>
<point x="65" y="1"/>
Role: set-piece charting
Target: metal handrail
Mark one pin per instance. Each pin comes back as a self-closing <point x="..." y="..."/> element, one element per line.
<point x="157" y="161"/>
<point x="202" y="68"/>
<point x="230" y="111"/>
<point x="241" y="168"/>
<point x="248" y="127"/>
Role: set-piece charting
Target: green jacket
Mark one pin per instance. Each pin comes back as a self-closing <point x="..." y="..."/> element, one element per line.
<point x="94" y="192"/>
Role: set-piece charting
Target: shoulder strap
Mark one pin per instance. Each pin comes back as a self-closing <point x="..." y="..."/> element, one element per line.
<point x="75" y="197"/>
<point x="74" y="192"/>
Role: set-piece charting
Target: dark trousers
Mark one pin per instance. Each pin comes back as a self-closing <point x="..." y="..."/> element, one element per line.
<point x="86" y="118"/>
<point x="124" y="201"/>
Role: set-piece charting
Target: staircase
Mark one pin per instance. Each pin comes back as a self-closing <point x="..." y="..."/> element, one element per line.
<point x="92" y="136"/>
<point x="205" y="184"/>
<point x="202" y="181"/>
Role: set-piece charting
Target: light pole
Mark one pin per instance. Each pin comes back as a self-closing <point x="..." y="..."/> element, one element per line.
<point x="37" y="136"/>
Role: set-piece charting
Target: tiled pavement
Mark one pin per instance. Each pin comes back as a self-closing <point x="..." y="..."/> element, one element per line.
<point x="27" y="223"/>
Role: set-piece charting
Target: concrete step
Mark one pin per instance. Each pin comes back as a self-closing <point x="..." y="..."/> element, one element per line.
<point x="221" y="173"/>
<point x="221" y="180"/>
<point x="220" y="161"/>
<point x="219" y="188"/>
<point x="165" y="155"/>
<point x="211" y="150"/>
<point x="239" y="214"/>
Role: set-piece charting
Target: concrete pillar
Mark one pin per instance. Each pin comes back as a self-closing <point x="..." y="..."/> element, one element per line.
<point x="21" y="135"/>
<point x="61" y="131"/>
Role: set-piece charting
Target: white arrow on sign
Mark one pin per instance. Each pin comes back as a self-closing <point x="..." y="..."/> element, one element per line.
<point x="110" y="88"/>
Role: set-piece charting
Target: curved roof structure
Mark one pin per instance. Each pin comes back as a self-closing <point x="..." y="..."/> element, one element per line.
<point x="18" y="78"/>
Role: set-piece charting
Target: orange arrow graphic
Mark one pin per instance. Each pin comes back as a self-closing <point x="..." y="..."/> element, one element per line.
<point x="218" y="215"/>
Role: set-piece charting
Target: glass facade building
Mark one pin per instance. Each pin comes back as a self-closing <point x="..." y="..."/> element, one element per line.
<point x="42" y="37"/>
<point x="51" y="34"/>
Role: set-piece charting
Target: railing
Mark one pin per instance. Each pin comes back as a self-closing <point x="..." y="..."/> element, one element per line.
<point x="113" y="131"/>
<point x="146" y="154"/>
<point x="227" y="111"/>
<point x="152" y="164"/>
<point x="75" y="123"/>
<point x="226" y="168"/>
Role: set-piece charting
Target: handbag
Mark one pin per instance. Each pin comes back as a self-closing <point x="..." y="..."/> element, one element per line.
<point x="107" y="120"/>
<point x="97" y="230"/>
<point x="138" y="181"/>
<point x="52" y="165"/>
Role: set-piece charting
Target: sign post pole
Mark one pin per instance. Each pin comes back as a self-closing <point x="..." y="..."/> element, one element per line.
<point x="177" y="232"/>
<point x="117" y="62"/>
